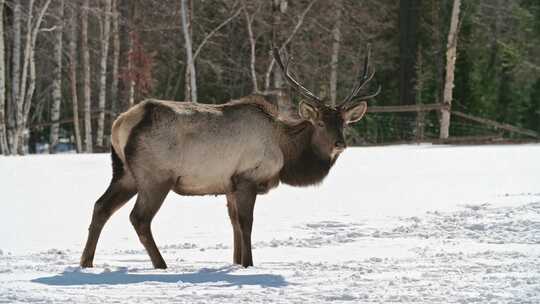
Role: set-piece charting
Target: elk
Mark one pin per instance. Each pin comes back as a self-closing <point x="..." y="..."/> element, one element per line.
<point x="239" y="149"/>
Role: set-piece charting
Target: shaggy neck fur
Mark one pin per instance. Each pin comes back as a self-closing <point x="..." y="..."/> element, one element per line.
<point x="302" y="166"/>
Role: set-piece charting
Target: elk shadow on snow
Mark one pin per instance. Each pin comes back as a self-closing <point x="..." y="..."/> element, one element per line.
<point x="220" y="276"/>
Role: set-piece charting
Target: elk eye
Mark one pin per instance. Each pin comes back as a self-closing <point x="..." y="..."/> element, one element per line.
<point x="320" y="124"/>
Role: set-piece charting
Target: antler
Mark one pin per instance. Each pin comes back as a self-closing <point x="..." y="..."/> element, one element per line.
<point x="363" y="79"/>
<point x="293" y="82"/>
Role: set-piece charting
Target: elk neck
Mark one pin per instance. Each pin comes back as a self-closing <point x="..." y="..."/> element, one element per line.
<point x="302" y="165"/>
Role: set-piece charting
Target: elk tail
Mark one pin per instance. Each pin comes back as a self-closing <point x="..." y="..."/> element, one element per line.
<point x="117" y="166"/>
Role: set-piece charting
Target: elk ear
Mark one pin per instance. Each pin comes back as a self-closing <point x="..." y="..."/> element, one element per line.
<point x="308" y="111"/>
<point x="354" y="113"/>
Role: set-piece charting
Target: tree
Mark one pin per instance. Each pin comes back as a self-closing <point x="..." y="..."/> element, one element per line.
<point x="115" y="56"/>
<point x="105" y="37"/>
<point x="73" y="78"/>
<point x="57" y="81"/>
<point x="4" y="149"/>
<point x="86" y="79"/>
<point x="451" y="54"/>
<point x="191" y="92"/>
<point x="252" y="46"/>
<point x="28" y="77"/>
<point x="336" y="43"/>
<point x="15" y="77"/>
<point x="408" y="26"/>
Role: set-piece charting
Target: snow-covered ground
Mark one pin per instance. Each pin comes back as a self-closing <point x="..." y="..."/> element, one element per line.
<point x="406" y="224"/>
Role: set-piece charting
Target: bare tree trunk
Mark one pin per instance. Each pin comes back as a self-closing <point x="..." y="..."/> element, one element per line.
<point x="284" y="103"/>
<point x="103" y="72"/>
<point x="57" y="81"/>
<point x="73" y="79"/>
<point x="190" y="64"/>
<point x="297" y="27"/>
<point x="252" y="42"/>
<point x="336" y="43"/>
<point x="131" y="85"/>
<point x="4" y="149"/>
<point x="22" y="90"/>
<point x="86" y="79"/>
<point x="408" y="43"/>
<point x="420" y="115"/>
<point x="131" y="11"/>
<point x="279" y="8"/>
<point x="116" y="56"/>
<point x="450" y="65"/>
<point x="15" y="76"/>
<point x="28" y="75"/>
<point x="187" y="75"/>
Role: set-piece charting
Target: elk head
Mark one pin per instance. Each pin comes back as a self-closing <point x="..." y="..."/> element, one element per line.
<point x="328" y="121"/>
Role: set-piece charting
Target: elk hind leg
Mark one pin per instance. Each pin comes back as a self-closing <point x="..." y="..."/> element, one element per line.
<point x="148" y="203"/>
<point x="116" y="195"/>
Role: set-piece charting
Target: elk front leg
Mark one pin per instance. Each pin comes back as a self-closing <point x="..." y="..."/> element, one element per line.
<point x="244" y="197"/>
<point x="233" y="215"/>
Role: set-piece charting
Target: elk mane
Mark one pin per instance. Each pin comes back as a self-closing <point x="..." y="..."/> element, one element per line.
<point x="302" y="165"/>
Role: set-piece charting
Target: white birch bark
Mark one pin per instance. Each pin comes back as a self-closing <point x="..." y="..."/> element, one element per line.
<point x="189" y="52"/>
<point x="336" y="43"/>
<point x="4" y="149"/>
<point x="57" y="81"/>
<point x="86" y="79"/>
<point x="115" y="55"/>
<point x="297" y="27"/>
<point x="252" y="44"/>
<point x="450" y="66"/>
<point x="15" y="76"/>
<point x="73" y="79"/>
<point x="131" y="86"/>
<point x="105" y="37"/>
<point x="280" y="8"/>
<point x="28" y="75"/>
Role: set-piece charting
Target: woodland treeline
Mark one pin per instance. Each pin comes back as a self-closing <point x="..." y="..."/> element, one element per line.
<point x="69" y="67"/>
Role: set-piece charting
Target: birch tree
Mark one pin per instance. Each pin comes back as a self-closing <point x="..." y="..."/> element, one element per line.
<point x="15" y="76"/>
<point x="191" y="56"/>
<point x="105" y="33"/>
<point x="131" y="50"/>
<point x="4" y="149"/>
<point x="281" y="47"/>
<point x="73" y="79"/>
<point x="450" y="66"/>
<point x="115" y="55"/>
<point x="28" y="77"/>
<point x="57" y="81"/>
<point x="190" y="63"/>
<point x="252" y="45"/>
<point x="86" y="79"/>
<point x="336" y="43"/>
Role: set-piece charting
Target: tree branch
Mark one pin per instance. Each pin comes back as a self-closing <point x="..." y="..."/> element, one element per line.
<point x="287" y="41"/>
<point x="213" y="32"/>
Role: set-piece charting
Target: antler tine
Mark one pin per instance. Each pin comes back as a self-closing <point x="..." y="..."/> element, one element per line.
<point x="364" y="77"/>
<point x="365" y="97"/>
<point x="363" y="82"/>
<point x="290" y="79"/>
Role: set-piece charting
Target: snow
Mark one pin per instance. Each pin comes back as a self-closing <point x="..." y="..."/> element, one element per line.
<point x="401" y="224"/>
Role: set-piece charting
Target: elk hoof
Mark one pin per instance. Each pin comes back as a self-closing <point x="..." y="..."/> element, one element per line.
<point x="160" y="265"/>
<point x="246" y="265"/>
<point x="86" y="264"/>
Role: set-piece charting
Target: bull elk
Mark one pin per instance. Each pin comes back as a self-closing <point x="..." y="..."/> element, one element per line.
<point x="239" y="149"/>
